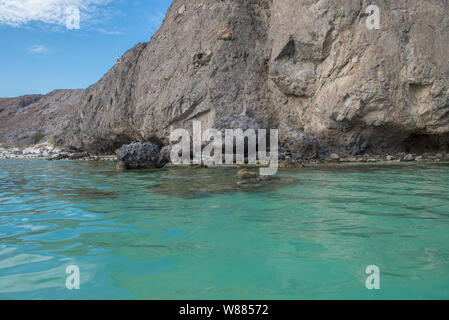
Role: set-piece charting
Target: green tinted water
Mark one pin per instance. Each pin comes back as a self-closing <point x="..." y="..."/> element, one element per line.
<point x="195" y="234"/>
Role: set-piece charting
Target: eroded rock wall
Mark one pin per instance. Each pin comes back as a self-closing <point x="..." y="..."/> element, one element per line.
<point x="360" y="90"/>
<point x="209" y="60"/>
<point x="308" y="65"/>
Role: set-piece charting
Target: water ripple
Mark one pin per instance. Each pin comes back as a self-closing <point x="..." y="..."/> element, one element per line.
<point x="194" y="234"/>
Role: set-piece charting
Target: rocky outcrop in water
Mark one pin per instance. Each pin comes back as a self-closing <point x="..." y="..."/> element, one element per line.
<point x="140" y="156"/>
<point x="298" y="144"/>
<point x="310" y="68"/>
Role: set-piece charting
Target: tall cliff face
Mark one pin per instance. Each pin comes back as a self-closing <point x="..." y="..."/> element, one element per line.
<point x="310" y="64"/>
<point x="209" y="59"/>
<point x="360" y="90"/>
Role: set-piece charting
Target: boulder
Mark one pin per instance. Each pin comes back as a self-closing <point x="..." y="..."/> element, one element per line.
<point x="140" y="155"/>
<point x="166" y="152"/>
<point x="299" y="144"/>
<point x="335" y="157"/>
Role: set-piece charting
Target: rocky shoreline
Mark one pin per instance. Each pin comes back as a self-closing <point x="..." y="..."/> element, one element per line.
<point x="49" y="153"/>
<point x="325" y="81"/>
<point x="401" y="157"/>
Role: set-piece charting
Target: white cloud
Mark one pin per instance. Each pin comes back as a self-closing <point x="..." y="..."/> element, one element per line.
<point x="73" y="19"/>
<point x="38" y="49"/>
<point x="67" y="13"/>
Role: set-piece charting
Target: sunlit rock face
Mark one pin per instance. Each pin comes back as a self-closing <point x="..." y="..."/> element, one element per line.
<point x="360" y="90"/>
<point x="312" y="66"/>
<point x="208" y="61"/>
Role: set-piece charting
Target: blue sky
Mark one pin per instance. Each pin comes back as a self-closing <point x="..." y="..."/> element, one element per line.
<point x="68" y="44"/>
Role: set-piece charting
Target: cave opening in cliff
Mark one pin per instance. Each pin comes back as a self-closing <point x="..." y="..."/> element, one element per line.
<point x="421" y="143"/>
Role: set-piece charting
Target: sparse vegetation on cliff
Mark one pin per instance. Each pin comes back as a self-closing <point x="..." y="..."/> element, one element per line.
<point x="36" y="138"/>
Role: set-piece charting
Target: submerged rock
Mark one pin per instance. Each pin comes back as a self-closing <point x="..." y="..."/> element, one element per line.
<point x="188" y="183"/>
<point x="140" y="155"/>
<point x="245" y="174"/>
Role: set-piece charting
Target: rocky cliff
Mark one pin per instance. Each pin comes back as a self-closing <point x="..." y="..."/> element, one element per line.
<point x="36" y="118"/>
<point x="209" y="60"/>
<point x="311" y="66"/>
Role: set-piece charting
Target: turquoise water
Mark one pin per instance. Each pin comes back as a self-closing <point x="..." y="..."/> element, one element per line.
<point x="195" y="234"/>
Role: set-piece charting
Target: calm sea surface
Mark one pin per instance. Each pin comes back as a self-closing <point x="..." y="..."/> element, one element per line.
<point x="195" y="234"/>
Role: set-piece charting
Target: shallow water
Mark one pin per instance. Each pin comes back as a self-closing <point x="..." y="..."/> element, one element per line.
<point x="195" y="234"/>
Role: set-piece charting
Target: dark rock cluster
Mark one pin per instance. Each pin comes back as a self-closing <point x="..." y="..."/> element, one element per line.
<point x="140" y="156"/>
